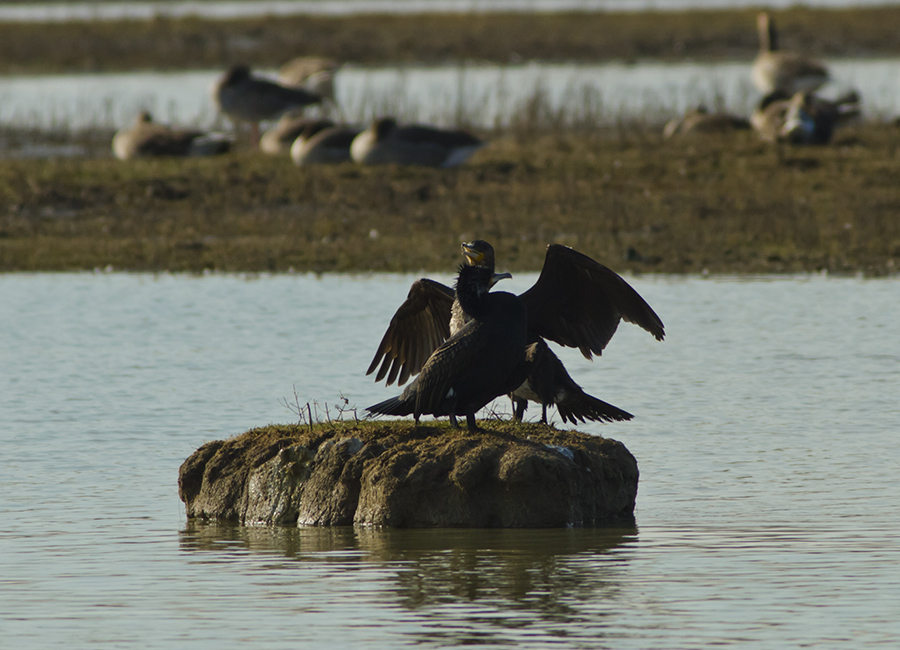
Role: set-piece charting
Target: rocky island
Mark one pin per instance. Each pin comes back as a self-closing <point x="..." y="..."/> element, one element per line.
<point x="395" y="474"/>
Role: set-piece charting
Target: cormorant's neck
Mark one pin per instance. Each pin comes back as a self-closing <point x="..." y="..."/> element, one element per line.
<point x="472" y="285"/>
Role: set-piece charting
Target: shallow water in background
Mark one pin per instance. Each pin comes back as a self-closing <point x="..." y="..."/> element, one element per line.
<point x="765" y="431"/>
<point x="61" y="11"/>
<point x="484" y="96"/>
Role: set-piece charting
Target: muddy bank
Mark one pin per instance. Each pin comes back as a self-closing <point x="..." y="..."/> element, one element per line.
<point x="627" y="197"/>
<point x="395" y="474"/>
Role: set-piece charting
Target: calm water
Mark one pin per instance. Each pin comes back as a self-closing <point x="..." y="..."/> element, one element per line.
<point x="768" y="512"/>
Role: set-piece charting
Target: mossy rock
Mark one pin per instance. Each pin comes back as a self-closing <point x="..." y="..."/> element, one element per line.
<point x="399" y="475"/>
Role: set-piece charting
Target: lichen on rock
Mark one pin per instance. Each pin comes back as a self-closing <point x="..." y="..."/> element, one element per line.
<point x="399" y="475"/>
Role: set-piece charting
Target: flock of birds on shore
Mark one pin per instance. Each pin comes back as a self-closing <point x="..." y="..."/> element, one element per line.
<point x="466" y="346"/>
<point x="247" y="98"/>
<point x="789" y="111"/>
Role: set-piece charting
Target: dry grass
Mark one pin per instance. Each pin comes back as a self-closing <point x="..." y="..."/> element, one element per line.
<point x="626" y="197"/>
<point x="166" y="44"/>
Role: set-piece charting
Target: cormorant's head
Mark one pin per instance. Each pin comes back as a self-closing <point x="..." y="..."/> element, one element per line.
<point x="479" y="253"/>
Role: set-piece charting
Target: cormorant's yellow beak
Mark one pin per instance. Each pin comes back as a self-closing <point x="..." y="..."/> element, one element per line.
<point x="499" y="276"/>
<point x="473" y="257"/>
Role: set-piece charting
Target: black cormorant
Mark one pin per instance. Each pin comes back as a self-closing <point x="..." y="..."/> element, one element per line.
<point x="428" y="316"/>
<point x="576" y="302"/>
<point x="483" y="359"/>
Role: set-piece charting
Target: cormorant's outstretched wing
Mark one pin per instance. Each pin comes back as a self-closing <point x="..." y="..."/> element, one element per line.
<point x="578" y="302"/>
<point x="428" y="393"/>
<point x="418" y="327"/>
<point x="456" y="356"/>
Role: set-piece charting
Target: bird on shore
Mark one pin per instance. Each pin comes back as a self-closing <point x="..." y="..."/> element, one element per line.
<point x="575" y="302"/>
<point x="289" y="127"/>
<point x="812" y="120"/>
<point x="245" y="97"/>
<point x="315" y="73"/>
<point x="768" y="117"/>
<point x="484" y="359"/>
<point x="326" y="146"/>
<point x="700" y="120"/>
<point x="385" y="142"/>
<point x="146" y="138"/>
<point x="775" y="69"/>
<point x="803" y="118"/>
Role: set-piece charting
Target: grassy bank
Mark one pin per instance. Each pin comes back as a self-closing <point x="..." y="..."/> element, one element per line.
<point x="168" y="44"/>
<point x="632" y="200"/>
<point x="725" y="204"/>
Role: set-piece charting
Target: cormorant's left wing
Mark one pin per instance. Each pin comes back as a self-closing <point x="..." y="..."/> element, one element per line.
<point x="416" y="330"/>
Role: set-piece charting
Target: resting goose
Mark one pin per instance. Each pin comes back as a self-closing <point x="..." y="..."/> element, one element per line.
<point x="146" y="138"/>
<point x="386" y="142"/>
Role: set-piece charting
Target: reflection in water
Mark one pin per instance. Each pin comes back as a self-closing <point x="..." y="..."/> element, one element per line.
<point x="546" y="572"/>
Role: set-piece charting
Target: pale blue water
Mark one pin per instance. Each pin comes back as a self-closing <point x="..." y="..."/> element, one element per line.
<point x="768" y="512"/>
<point x="105" y="10"/>
<point x="481" y="95"/>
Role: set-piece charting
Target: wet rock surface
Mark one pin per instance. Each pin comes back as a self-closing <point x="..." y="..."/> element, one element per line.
<point x="394" y="474"/>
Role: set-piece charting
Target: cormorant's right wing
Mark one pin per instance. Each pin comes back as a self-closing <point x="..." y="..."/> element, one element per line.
<point x="418" y="328"/>
<point x="578" y="302"/>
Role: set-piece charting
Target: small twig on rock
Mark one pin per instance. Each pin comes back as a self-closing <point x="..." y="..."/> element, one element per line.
<point x="295" y="407"/>
<point x="346" y="408"/>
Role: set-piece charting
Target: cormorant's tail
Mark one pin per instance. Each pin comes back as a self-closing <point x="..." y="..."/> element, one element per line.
<point x="393" y="406"/>
<point x="578" y="408"/>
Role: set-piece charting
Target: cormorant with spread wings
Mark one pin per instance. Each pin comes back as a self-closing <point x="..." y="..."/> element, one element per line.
<point x="483" y="359"/>
<point x="576" y="302"/>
